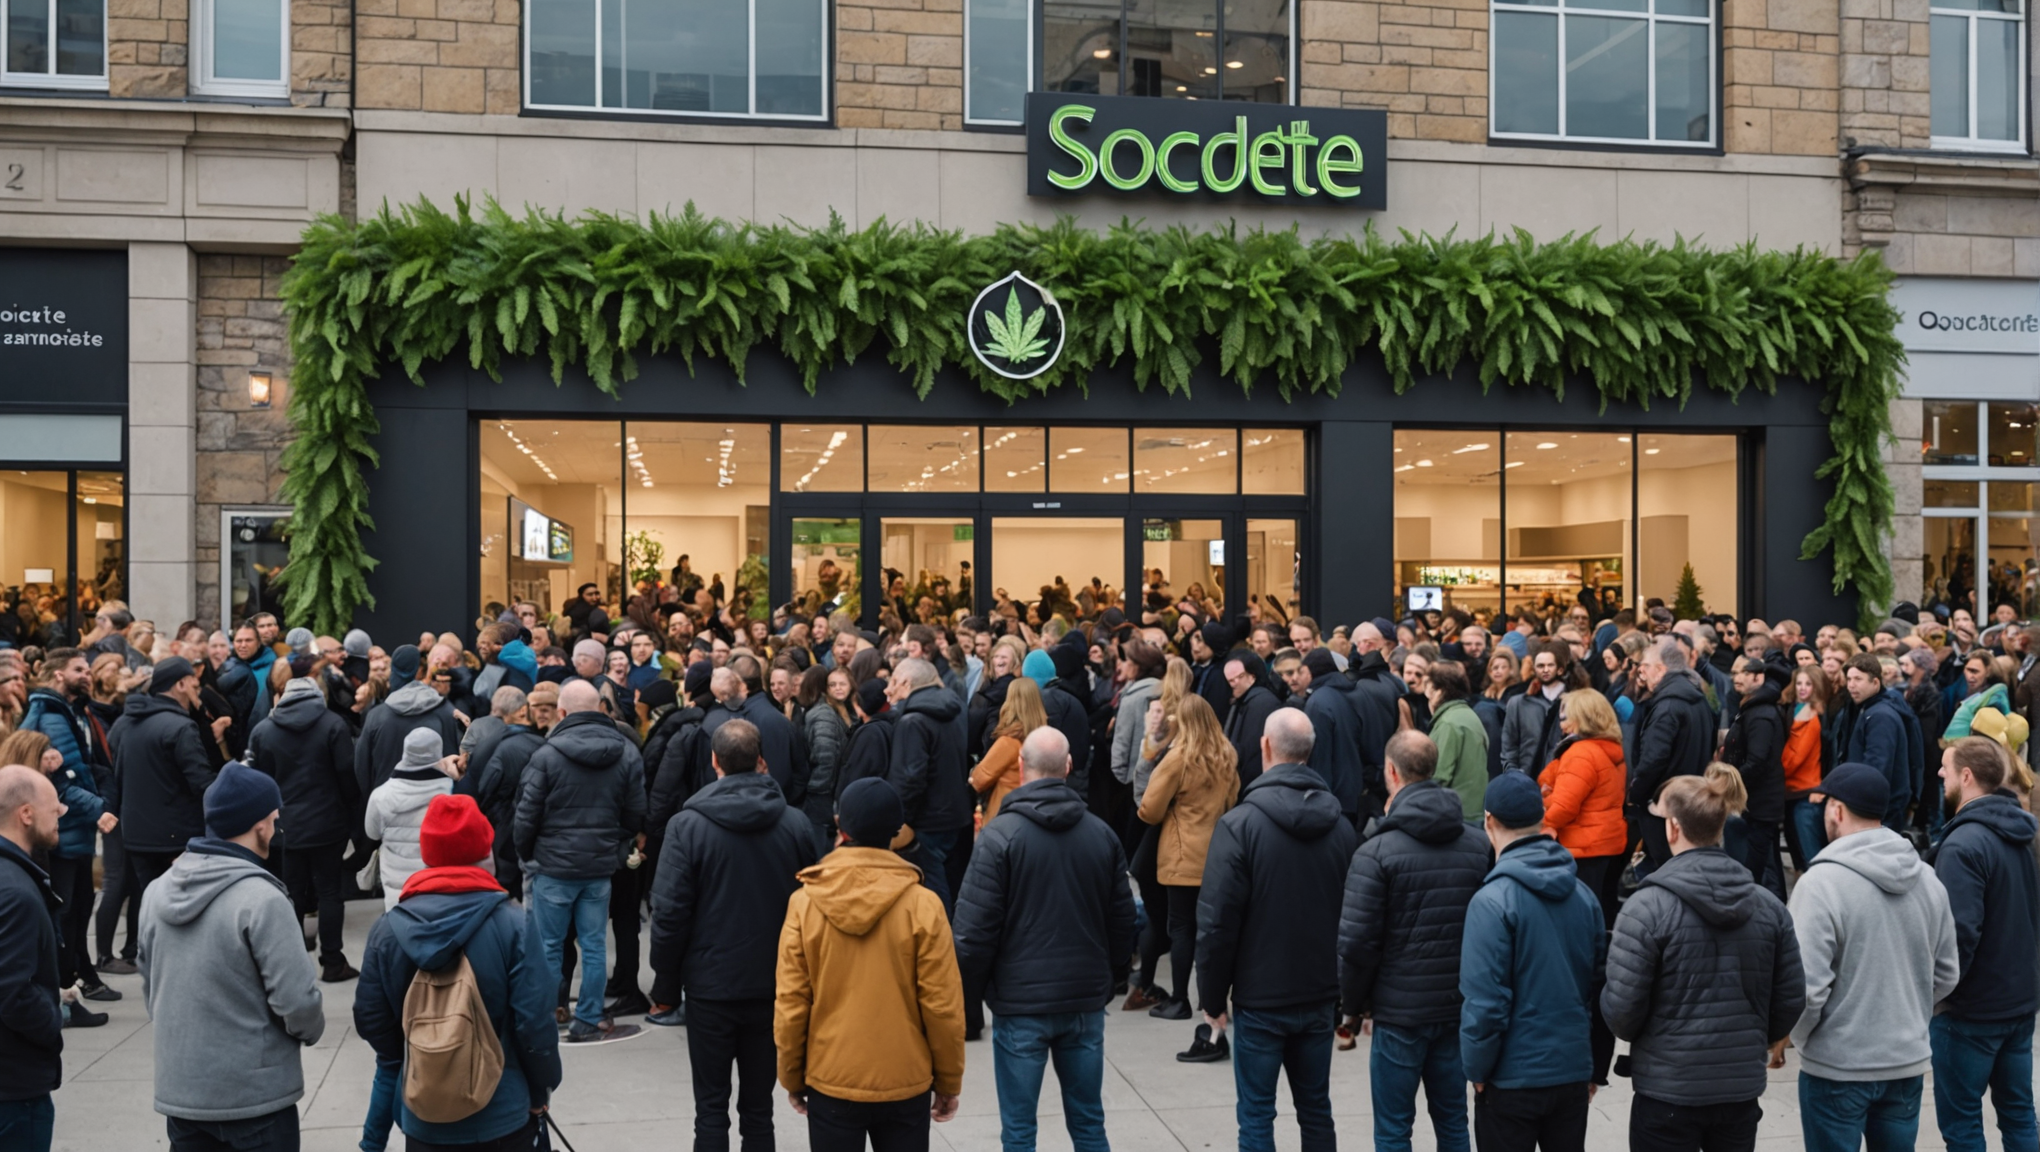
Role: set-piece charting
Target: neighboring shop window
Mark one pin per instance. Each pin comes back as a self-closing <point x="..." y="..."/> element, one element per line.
<point x="255" y="551"/>
<point x="1604" y="71"/>
<point x="242" y="48"/>
<point x="54" y="44"/>
<point x="1981" y="530"/>
<point x="1977" y="74"/>
<point x="759" y="58"/>
<point x="998" y="56"/>
<point x="1174" y="49"/>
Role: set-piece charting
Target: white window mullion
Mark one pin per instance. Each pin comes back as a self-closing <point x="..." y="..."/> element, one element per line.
<point x="751" y="46"/>
<point x="1650" y="77"/>
<point x="1562" y="126"/>
<point x="1973" y="134"/>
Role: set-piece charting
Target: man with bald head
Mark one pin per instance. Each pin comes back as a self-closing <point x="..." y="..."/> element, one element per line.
<point x="580" y="806"/>
<point x="1044" y="927"/>
<point x="931" y="775"/>
<point x="1267" y="937"/>
<point x="32" y="1040"/>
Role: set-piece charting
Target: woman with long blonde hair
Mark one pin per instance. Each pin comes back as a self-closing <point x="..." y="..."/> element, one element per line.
<point x="999" y="772"/>
<point x="1196" y="782"/>
<point x="1158" y="731"/>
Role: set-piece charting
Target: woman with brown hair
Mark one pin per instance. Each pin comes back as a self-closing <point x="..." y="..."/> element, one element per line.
<point x="1158" y="731"/>
<point x="1195" y="783"/>
<point x="999" y="772"/>
<point x="1808" y="751"/>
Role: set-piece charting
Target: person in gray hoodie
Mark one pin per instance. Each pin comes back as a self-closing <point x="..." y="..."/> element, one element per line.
<point x="1862" y="1039"/>
<point x="411" y="704"/>
<point x="231" y="990"/>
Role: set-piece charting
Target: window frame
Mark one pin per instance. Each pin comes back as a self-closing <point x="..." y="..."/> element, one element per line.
<point x="204" y="83"/>
<point x="1559" y="10"/>
<point x="824" y="116"/>
<point x="1980" y="514"/>
<point x="1033" y="69"/>
<point x="1038" y="61"/>
<point x="53" y="80"/>
<point x="1972" y="142"/>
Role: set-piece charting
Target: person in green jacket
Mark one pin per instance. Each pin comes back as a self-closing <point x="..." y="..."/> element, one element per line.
<point x="1460" y="736"/>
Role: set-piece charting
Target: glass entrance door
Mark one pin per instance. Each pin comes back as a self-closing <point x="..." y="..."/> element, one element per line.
<point x="1058" y="565"/>
<point x="927" y="568"/>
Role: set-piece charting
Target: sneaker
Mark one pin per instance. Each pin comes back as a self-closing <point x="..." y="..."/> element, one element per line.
<point x="563" y="1016"/>
<point x="1344" y="1039"/>
<point x="1171" y="1010"/>
<point x="631" y="1003"/>
<point x="603" y="1033"/>
<point x="99" y="992"/>
<point x="77" y="1016"/>
<point x="667" y="1015"/>
<point x="1141" y="998"/>
<point x="117" y="967"/>
<point x="338" y="972"/>
<point x="1204" y="1050"/>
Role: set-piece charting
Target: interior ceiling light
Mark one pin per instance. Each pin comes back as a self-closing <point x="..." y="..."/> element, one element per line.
<point x="1235" y="64"/>
<point x="1547" y="444"/>
<point x="1468" y="448"/>
<point x="1102" y="53"/>
<point x="1513" y="464"/>
<point x="1650" y="451"/>
<point x="1622" y="439"/>
<point x="1423" y="463"/>
<point x="1211" y="71"/>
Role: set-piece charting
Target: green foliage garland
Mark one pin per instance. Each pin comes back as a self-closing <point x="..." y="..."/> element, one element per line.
<point x="1640" y="322"/>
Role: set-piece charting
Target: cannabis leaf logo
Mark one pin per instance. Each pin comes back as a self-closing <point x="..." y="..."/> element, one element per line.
<point x="1014" y="338"/>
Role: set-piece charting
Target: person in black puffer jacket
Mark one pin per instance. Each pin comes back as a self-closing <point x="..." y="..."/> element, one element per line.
<point x="929" y="772"/>
<point x="160" y="770"/>
<point x="1674" y="737"/>
<point x="1044" y="929"/>
<point x="728" y="864"/>
<point x="1756" y="747"/>
<point x="32" y="1034"/>
<point x="1375" y="692"/>
<point x="496" y="772"/>
<point x="309" y="751"/>
<point x="1703" y="978"/>
<point x="1399" y="938"/>
<point x="869" y="752"/>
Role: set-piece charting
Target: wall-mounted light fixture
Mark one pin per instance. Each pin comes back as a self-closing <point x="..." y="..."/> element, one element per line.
<point x="258" y="389"/>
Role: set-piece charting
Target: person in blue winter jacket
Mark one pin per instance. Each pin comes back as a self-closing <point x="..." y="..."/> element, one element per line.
<point x="1529" y="966"/>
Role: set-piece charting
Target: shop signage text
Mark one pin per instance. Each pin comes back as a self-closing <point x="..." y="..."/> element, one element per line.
<point x="1129" y="145"/>
<point x="1949" y="314"/>
<point x="63" y="326"/>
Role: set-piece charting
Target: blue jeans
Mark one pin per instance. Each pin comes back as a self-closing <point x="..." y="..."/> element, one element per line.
<point x="1401" y="1059"/>
<point x="1808" y="829"/>
<point x="28" y="1125"/>
<point x="1265" y="1045"/>
<point x="932" y="852"/>
<point x="1971" y="1055"/>
<point x="1845" y="1115"/>
<point x="382" y="1108"/>
<point x="1021" y="1047"/>
<point x="586" y="904"/>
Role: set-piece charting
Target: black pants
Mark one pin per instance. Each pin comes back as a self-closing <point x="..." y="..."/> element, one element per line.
<point x="627" y="923"/>
<point x="533" y="1137"/>
<point x="1154" y="939"/>
<point x="719" y="1033"/>
<point x="71" y="879"/>
<point x="276" y="1132"/>
<point x="1658" y="1126"/>
<point x="148" y="866"/>
<point x="1603" y="876"/>
<point x="123" y="886"/>
<point x="1519" y="1119"/>
<point x="317" y="879"/>
<point x="842" y="1125"/>
<point x="1760" y="855"/>
<point x="1182" y="937"/>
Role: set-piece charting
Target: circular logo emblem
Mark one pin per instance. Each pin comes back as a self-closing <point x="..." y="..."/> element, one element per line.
<point x="1016" y="328"/>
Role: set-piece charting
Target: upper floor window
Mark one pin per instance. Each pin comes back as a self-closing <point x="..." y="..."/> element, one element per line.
<point x="1978" y="74"/>
<point x="723" y="58"/>
<point x="1604" y="71"/>
<point x="242" y="48"/>
<point x="54" y="44"/>
<point x="1174" y="49"/>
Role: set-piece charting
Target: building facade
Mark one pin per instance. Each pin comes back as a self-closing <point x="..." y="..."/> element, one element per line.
<point x="186" y="143"/>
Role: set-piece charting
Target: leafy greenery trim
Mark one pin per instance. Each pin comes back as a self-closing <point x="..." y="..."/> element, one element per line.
<point x="1639" y="322"/>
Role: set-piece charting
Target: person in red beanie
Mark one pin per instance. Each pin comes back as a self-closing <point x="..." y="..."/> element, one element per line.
<point x="454" y="906"/>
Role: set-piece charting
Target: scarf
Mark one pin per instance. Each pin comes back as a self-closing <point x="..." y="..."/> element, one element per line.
<point x="448" y="879"/>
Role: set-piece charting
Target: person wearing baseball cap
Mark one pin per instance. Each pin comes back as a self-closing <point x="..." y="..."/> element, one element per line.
<point x="160" y="759"/>
<point x="1862" y="1040"/>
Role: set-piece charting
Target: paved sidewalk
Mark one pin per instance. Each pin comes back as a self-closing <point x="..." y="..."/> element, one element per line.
<point x="634" y="1095"/>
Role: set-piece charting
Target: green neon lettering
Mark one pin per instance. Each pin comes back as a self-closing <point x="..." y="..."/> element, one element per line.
<point x="1111" y="171"/>
<point x="1238" y="139"/>
<point x="1168" y="178"/>
<point x="1300" y="139"/>
<point x="1328" y="163"/>
<point x="1269" y="152"/>
<point x="1087" y="169"/>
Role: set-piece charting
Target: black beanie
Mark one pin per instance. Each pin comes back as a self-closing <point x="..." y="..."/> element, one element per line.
<point x="1321" y="662"/>
<point x="869" y="812"/>
<point x="1215" y="637"/>
<point x="658" y="694"/>
<point x="700" y="675"/>
<point x="871" y="696"/>
<point x="238" y="799"/>
<point x="166" y="677"/>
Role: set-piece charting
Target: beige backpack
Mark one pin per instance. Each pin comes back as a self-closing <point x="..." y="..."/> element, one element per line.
<point x="452" y="1058"/>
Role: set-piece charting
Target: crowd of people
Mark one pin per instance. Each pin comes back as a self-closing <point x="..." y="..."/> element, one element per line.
<point x="1500" y="853"/>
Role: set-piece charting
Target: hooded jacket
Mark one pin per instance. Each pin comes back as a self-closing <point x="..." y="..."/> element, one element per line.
<point x="381" y="743"/>
<point x="1674" y="737"/>
<point x="395" y="816"/>
<point x="870" y="750"/>
<point x="729" y="861"/>
<point x="1756" y="747"/>
<point x="1129" y="725"/>
<point x="927" y="765"/>
<point x="497" y="772"/>
<point x="1044" y="919"/>
<point x="1335" y="754"/>
<point x="1529" y="964"/>
<point x="870" y="1003"/>
<point x="1583" y="797"/>
<point x="50" y="714"/>
<point x="1703" y="977"/>
<point x="783" y="749"/>
<point x="682" y="769"/>
<point x="1376" y="690"/>
<point x="310" y="753"/>
<point x="1462" y="755"/>
<point x="431" y="931"/>
<point x="1066" y="700"/>
<point x="1867" y="1008"/>
<point x="582" y="800"/>
<point x="31" y="1023"/>
<point x="1886" y="735"/>
<point x="231" y="991"/>
<point x="1243" y="725"/>
<point x="1405" y="909"/>
<point x="1986" y="863"/>
<point x="160" y="774"/>
<point x="1268" y="912"/>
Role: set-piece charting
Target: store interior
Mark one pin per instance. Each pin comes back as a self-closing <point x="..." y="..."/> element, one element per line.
<point x="37" y="514"/>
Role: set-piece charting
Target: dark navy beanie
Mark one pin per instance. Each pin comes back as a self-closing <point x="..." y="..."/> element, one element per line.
<point x="238" y="799"/>
<point x="1515" y="801"/>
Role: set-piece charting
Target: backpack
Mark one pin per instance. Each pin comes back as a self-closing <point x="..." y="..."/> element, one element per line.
<point x="452" y="1058"/>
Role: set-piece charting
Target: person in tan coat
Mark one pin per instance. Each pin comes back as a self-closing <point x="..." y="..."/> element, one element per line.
<point x="1196" y="782"/>
<point x="999" y="772"/>
<point x="869" y="1013"/>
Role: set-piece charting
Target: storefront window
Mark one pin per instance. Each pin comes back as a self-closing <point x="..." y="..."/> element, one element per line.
<point x="35" y="549"/>
<point x="922" y="458"/>
<point x="102" y="548"/>
<point x="821" y="458"/>
<point x="1183" y="564"/>
<point x="699" y="490"/>
<point x="1274" y="462"/>
<point x="1274" y="569"/>
<point x="1189" y="460"/>
<point x="1949" y="494"/>
<point x="2014" y="430"/>
<point x="2014" y="547"/>
<point x="1074" y="565"/>
<point x="1448" y="518"/>
<point x="825" y="560"/>
<point x="927" y="568"/>
<point x="1686" y="515"/>
<point x="552" y="494"/>
<point x="253" y="551"/>
<point x="1014" y="460"/>
<point x="1166" y="48"/>
<point x="1088" y="460"/>
<point x="1568" y="527"/>
<point x="1948" y="432"/>
<point x="1950" y="577"/>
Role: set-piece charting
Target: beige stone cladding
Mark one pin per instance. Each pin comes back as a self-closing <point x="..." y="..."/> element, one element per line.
<point x="1947" y="215"/>
<point x="148" y="52"/>
<point x="438" y="55"/>
<point x="899" y="64"/>
<point x="241" y="329"/>
<point x="1780" y="60"/>
<point x="1426" y="63"/>
<point x="1884" y="74"/>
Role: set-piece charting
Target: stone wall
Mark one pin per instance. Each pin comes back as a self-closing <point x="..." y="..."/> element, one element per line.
<point x="148" y="53"/>
<point x="1780" y="61"/>
<point x="1946" y="215"/>
<point x="1884" y="74"/>
<point x="1907" y="544"/>
<point x="899" y="64"/>
<point x="439" y="56"/>
<point x="241" y="329"/>
<point x="321" y="63"/>
<point x="1426" y="63"/>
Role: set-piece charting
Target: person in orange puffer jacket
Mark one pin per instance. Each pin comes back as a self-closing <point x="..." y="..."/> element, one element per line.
<point x="1583" y="789"/>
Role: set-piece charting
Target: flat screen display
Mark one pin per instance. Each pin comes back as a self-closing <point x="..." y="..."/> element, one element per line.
<point x="534" y="532"/>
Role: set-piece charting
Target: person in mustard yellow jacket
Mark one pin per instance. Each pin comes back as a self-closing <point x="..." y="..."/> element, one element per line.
<point x="869" y="1013"/>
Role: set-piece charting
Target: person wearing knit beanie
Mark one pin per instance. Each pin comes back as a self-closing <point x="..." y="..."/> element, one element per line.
<point x="454" y="833"/>
<point x="238" y="799"/>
